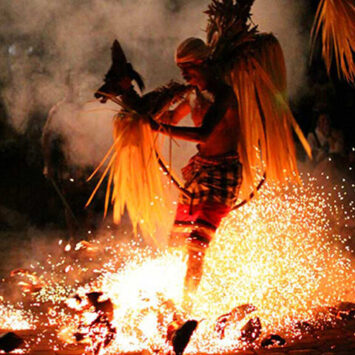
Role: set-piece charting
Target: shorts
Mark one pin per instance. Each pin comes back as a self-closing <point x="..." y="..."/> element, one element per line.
<point x="213" y="185"/>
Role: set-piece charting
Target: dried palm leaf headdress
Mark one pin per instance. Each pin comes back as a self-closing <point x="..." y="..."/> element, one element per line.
<point x="253" y="64"/>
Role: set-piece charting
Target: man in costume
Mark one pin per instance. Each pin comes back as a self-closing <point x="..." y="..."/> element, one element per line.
<point x="243" y="127"/>
<point x="244" y="72"/>
<point x="213" y="176"/>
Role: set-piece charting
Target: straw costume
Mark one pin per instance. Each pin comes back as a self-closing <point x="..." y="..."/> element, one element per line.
<point x="335" y="22"/>
<point x="251" y="66"/>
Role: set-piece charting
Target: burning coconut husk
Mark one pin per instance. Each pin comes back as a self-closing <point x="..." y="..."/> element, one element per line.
<point x="290" y="274"/>
<point x="95" y="325"/>
<point x="234" y="316"/>
<point x="251" y="330"/>
<point x="33" y="282"/>
<point x="180" y="337"/>
<point x="10" y="341"/>
<point x="273" y="339"/>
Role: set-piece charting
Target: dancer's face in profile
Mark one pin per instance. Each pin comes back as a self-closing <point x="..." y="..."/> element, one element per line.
<point x="194" y="74"/>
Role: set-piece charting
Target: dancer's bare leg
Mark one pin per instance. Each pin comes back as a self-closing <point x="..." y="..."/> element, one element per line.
<point x="193" y="275"/>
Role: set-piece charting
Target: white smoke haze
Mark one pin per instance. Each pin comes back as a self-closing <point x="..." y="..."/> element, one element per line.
<point x="86" y="130"/>
<point x="283" y="18"/>
<point x="44" y="40"/>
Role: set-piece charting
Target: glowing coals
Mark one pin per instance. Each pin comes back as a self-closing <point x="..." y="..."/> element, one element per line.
<point x="285" y="252"/>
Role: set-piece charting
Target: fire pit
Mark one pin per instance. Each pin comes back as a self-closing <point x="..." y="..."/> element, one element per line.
<point x="274" y="280"/>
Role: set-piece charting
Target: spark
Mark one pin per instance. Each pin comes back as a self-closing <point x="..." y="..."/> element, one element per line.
<point x="286" y="253"/>
<point x="15" y="319"/>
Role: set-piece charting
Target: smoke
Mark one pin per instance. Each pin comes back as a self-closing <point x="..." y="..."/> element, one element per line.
<point x="45" y="40"/>
<point x="283" y="18"/>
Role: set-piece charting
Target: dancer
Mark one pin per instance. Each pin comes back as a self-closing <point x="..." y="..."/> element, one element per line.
<point x="243" y="127"/>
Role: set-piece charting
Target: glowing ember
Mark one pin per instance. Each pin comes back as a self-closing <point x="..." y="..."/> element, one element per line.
<point x="33" y="283"/>
<point x="85" y="245"/>
<point x="15" y="319"/>
<point x="281" y="259"/>
<point x="278" y="253"/>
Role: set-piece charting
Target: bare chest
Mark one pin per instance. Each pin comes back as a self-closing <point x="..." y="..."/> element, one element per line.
<point x="200" y="104"/>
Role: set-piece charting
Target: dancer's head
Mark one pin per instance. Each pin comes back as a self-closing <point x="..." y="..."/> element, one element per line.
<point x="191" y="57"/>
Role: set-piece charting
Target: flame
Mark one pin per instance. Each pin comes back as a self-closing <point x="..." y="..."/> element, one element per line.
<point x="87" y="246"/>
<point x="279" y="253"/>
<point x="283" y="255"/>
<point x="33" y="283"/>
<point x="15" y="319"/>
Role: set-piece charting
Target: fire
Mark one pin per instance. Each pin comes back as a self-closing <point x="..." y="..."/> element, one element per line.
<point x="280" y="254"/>
<point x="145" y="294"/>
<point x="280" y="260"/>
<point x="87" y="246"/>
<point x="13" y="318"/>
<point x="33" y="283"/>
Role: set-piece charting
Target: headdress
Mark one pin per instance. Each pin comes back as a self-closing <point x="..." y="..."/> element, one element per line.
<point x="253" y="64"/>
<point x="192" y="50"/>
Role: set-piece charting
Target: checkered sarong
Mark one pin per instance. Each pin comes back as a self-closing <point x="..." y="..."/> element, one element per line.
<point x="213" y="179"/>
<point x="213" y="183"/>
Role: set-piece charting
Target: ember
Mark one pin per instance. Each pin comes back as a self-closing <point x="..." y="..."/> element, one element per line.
<point x="286" y="275"/>
<point x="15" y="318"/>
<point x="34" y="283"/>
<point x="10" y="341"/>
<point x="251" y="331"/>
<point x="87" y="246"/>
<point x="273" y="339"/>
<point x="236" y="315"/>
